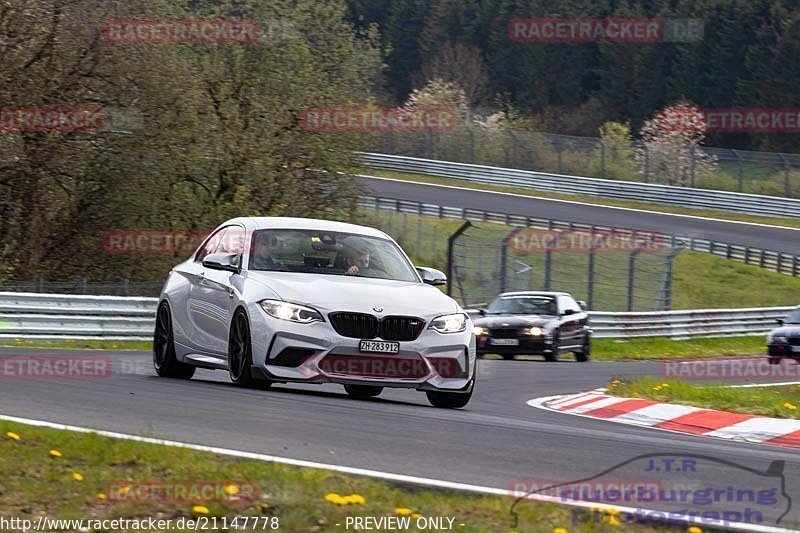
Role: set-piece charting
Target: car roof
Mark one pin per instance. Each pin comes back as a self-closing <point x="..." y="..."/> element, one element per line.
<point x="257" y="223"/>
<point x="533" y="293"/>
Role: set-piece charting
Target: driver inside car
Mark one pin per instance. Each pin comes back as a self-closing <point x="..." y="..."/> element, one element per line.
<point x="262" y="256"/>
<point x="357" y="263"/>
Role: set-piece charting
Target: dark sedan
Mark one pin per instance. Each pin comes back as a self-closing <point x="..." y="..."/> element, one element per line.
<point x="784" y="341"/>
<point x="534" y="323"/>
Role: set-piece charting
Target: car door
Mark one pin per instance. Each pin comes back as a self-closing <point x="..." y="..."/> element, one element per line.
<point x="211" y="296"/>
<point x="570" y="319"/>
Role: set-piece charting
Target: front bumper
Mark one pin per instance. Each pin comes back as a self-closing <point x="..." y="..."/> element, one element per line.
<point x="284" y="351"/>
<point x="781" y="349"/>
<point x="528" y="345"/>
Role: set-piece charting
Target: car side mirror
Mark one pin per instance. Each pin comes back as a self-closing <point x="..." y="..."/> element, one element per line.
<point x="568" y="312"/>
<point x="431" y="276"/>
<point x="482" y="312"/>
<point x="779" y="321"/>
<point x="582" y="305"/>
<point x="228" y="262"/>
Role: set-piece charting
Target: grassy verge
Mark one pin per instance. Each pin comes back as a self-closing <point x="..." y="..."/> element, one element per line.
<point x="779" y="401"/>
<point x="662" y="208"/>
<point x="665" y="348"/>
<point x="92" y="344"/>
<point x="95" y="477"/>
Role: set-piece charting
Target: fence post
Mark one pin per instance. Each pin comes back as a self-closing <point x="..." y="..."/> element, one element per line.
<point x="503" y="263"/>
<point x="451" y="240"/>
<point x="602" y="159"/>
<point x="39" y="284"/>
<point x="693" y="151"/>
<point x="631" y="277"/>
<point x="471" y="145"/>
<point x="513" y="149"/>
<point x="124" y="286"/>
<point x="740" y="173"/>
<point x="786" y="188"/>
<point x="590" y="284"/>
<point x="646" y="163"/>
<point x="82" y="286"/>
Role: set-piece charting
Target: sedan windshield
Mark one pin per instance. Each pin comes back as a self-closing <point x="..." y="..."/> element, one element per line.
<point x="793" y="318"/>
<point x="523" y="305"/>
<point x="329" y="252"/>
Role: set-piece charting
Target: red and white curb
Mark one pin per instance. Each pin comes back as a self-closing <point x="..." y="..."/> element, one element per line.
<point x="679" y="418"/>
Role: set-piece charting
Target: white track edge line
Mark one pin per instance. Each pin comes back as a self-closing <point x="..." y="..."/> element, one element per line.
<point x="575" y="202"/>
<point x="372" y="473"/>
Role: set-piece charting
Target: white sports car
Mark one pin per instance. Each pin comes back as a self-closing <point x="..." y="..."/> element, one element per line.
<point x="300" y="300"/>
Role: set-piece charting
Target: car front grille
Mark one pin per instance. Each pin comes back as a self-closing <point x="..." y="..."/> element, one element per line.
<point x="364" y="326"/>
<point x="504" y="333"/>
<point x="356" y="325"/>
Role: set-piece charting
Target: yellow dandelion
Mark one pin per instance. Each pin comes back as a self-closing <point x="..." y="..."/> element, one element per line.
<point x="665" y="384"/>
<point x="123" y="491"/>
<point x="694" y="529"/>
<point x="657" y="388"/>
<point x="416" y="515"/>
<point x="402" y="511"/>
<point x="55" y="453"/>
<point x="13" y="436"/>
<point x="101" y="496"/>
<point x="355" y="499"/>
<point x="77" y="476"/>
<point x="559" y="530"/>
<point x="200" y="509"/>
<point x="789" y="406"/>
<point x="335" y="499"/>
<point x="231" y="490"/>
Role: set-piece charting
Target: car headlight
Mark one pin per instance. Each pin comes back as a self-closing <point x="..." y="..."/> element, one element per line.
<point x="536" y="331"/>
<point x="291" y="312"/>
<point x="478" y="331"/>
<point x="450" y="323"/>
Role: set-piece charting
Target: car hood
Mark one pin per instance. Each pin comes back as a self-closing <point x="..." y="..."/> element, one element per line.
<point x="790" y="330"/>
<point x="350" y="293"/>
<point x="512" y="321"/>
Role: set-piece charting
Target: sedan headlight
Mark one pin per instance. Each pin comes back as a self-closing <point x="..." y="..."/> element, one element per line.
<point x="450" y="323"/>
<point x="291" y="312"/>
<point x="536" y="331"/>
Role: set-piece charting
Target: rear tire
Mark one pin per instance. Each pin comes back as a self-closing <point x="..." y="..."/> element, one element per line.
<point x="585" y="353"/>
<point x="363" y="391"/>
<point x="508" y="356"/>
<point x="164" y="360"/>
<point x="240" y="354"/>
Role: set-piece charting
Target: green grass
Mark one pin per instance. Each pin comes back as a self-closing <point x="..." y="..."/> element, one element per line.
<point x="779" y="401"/>
<point x="33" y="484"/>
<point x="661" y="208"/>
<point x="665" y="348"/>
<point x="94" y="344"/>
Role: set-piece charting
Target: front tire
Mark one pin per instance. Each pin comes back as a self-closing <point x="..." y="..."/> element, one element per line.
<point x="450" y="400"/>
<point x="586" y="351"/>
<point x="164" y="360"/>
<point x="508" y="356"/>
<point x="552" y="356"/>
<point x="363" y="391"/>
<point x="240" y="353"/>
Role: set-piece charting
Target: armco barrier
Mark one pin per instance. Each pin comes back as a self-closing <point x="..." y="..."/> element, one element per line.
<point x="59" y="316"/>
<point x="780" y="262"/>
<point x="752" y="204"/>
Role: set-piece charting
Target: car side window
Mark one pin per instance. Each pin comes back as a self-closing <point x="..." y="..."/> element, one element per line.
<point x="211" y="245"/>
<point x="568" y="303"/>
<point x="231" y="241"/>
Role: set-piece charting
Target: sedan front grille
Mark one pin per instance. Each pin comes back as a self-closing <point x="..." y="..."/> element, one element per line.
<point x="364" y="326"/>
<point x="502" y="333"/>
<point x="356" y="325"/>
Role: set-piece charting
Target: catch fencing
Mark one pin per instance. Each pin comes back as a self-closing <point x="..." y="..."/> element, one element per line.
<point x="27" y="316"/>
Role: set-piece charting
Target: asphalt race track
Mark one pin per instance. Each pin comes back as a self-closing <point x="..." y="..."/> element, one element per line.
<point x="494" y="442"/>
<point x="753" y="235"/>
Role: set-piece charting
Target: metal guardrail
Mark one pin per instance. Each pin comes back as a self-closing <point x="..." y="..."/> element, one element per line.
<point x="779" y="262"/>
<point x="58" y="316"/>
<point x="752" y="204"/>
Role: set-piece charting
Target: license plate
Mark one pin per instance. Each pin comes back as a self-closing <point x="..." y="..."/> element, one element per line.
<point x="379" y="346"/>
<point x="504" y="342"/>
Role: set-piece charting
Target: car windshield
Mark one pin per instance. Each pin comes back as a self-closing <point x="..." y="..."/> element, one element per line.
<point x="793" y="318"/>
<point x="523" y="305"/>
<point x="329" y="252"/>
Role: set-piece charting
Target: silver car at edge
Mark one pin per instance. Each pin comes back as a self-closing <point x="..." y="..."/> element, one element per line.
<point x="279" y="300"/>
